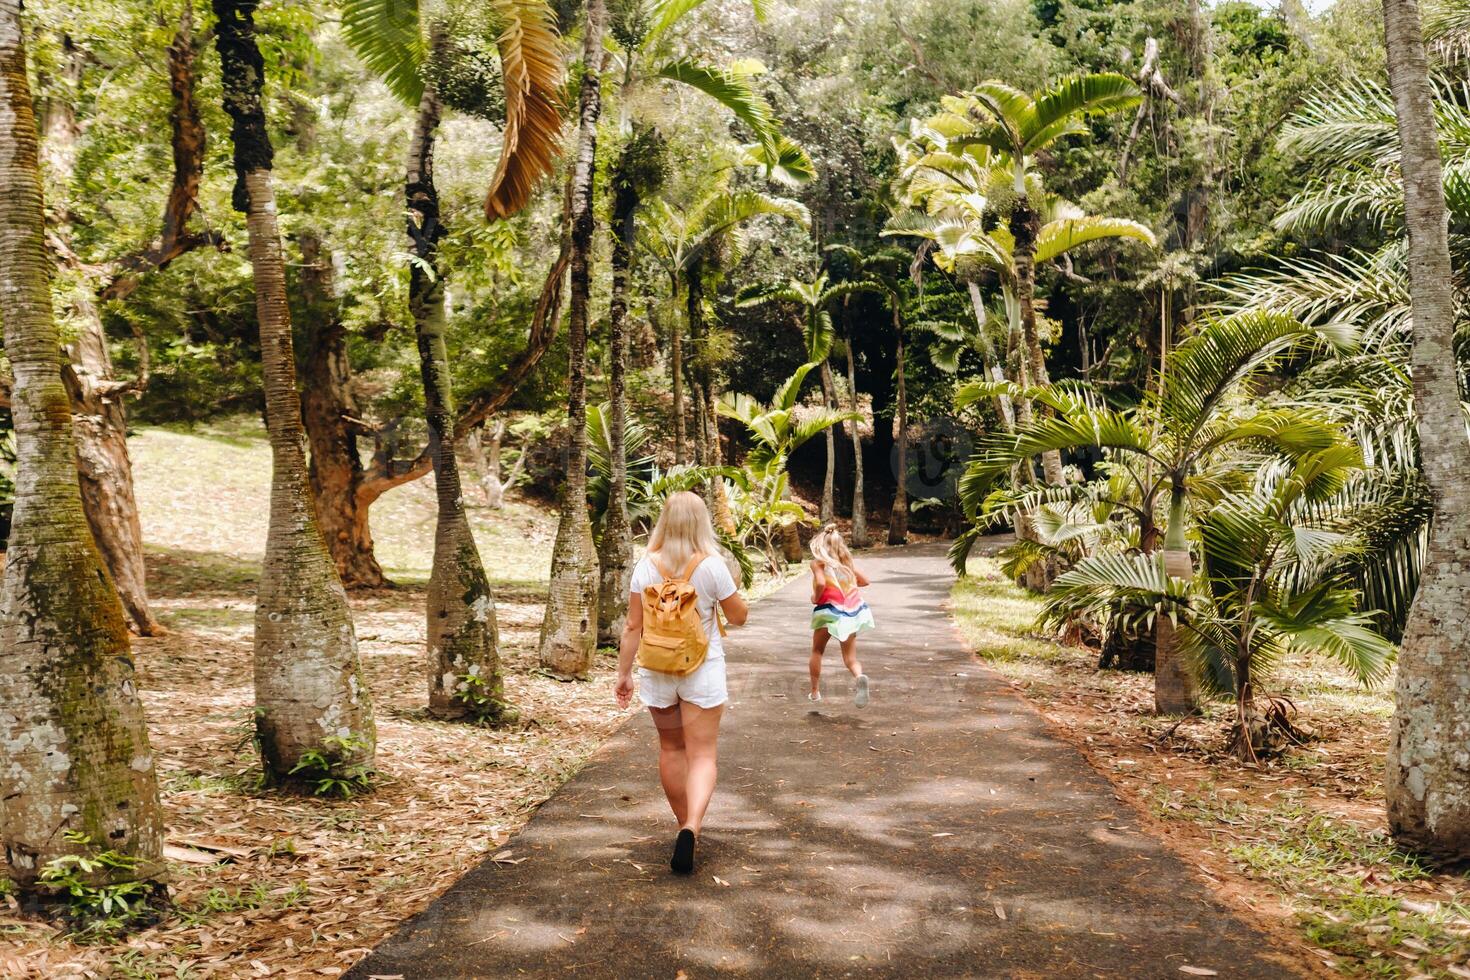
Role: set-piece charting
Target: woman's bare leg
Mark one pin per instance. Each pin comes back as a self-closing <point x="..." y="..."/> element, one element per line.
<point x="701" y="727"/>
<point x="814" y="665"/>
<point x="673" y="762"/>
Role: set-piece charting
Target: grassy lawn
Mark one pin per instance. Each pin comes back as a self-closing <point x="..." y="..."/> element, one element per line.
<point x="1301" y="841"/>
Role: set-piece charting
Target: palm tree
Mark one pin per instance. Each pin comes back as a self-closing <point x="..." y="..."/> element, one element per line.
<point x="77" y="756"/>
<point x="683" y="241"/>
<point x="308" y="682"/>
<point x="1428" y="786"/>
<point x="1017" y="127"/>
<point x="777" y="429"/>
<point x="569" y="626"/>
<point x="642" y="31"/>
<point x="814" y="299"/>
<point x="952" y="187"/>
<point x="1267" y="587"/>
<point x="1167" y="444"/>
<point x="464" y="673"/>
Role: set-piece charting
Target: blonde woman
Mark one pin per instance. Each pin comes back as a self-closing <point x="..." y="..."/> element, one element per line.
<point x="686" y="709"/>
<point x="838" y="610"/>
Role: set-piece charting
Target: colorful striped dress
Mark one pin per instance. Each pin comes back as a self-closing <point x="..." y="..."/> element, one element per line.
<point x="840" y="609"/>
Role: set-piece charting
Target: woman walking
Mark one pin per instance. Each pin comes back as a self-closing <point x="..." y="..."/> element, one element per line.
<point x="682" y="584"/>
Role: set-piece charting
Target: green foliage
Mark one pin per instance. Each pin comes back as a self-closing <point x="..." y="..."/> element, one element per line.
<point x="333" y="769"/>
<point x="99" y="886"/>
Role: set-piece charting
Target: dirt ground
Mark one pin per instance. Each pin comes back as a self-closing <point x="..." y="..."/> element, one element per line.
<point x="1300" y="842"/>
<point x="303" y="886"/>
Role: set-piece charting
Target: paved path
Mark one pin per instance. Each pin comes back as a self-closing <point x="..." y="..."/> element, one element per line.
<point x="939" y="832"/>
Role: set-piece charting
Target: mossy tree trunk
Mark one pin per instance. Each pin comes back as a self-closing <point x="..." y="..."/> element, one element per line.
<point x="76" y="753"/>
<point x="463" y="641"/>
<point x="309" y="690"/>
<point x="569" y="629"/>
<point x="1428" y="786"/>
<point x="99" y="396"/>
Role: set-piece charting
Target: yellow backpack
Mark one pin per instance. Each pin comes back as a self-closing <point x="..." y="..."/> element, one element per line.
<point x="674" y="640"/>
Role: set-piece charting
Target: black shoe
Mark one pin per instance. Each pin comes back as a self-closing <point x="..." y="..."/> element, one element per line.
<point x="682" y="863"/>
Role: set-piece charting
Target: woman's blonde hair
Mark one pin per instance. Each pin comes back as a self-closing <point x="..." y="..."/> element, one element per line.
<point x="683" y="529"/>
<point x="829" y="548"/>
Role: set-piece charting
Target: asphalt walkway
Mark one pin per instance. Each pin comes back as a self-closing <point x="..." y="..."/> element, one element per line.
<point x="941" y="831"/>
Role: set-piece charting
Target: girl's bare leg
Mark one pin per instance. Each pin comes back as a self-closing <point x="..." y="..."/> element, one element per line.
<point x="849" y="656"/>
<point x="814" y="665"/>
<point x="701" y="728"/>
<point x="673" y="761"/>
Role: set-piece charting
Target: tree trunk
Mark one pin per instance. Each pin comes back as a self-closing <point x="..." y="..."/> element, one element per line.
<point x="1175" y="690"/>
<point x="1428" y="786"/>
<point x="676" y="372"/>
<point x="859" y="505"/>
<point x="696" y="364"/>
<point x="569" y="629"/>
<point x="898" y="519"/>
<point x="1025" y="225"/>
<point x="330" y="416"/>
<point x="309" y="691"/>
<point x="463" y="639"/>
<point x="615" y="550"/>
<point x="77" y="757"/>
<point x="99" y="413"/>
<point x="829" y="490"/>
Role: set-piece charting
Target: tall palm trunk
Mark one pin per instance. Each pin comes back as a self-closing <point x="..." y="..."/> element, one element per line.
<point x="1175" y="690"/>
<point x="99" y="406"/>
<point x="1428" y="787"/>
<point x="76" y="746"/>
<point x="829" y="478"/>
<point x="569" y="629"/>
<point x="1025" y="225"/>
<point x="676" y="376"/>
<point x="615" y="551"/>
<point x="463" y="642"/>
<point x="308" y="682"/>
<point x="898" y="520"/>
<point x="696" y="362"/>
<point x="859" y="505"/>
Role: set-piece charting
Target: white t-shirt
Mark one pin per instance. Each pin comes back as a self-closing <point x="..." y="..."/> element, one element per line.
<point x="712" y="583"/>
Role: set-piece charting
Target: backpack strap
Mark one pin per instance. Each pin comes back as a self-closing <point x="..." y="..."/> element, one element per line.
<point x="695" y="560"/>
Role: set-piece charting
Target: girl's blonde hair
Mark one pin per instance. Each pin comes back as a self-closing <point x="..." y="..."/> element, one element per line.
<point x="829" y="548"/>
<point x="683" y="529"/>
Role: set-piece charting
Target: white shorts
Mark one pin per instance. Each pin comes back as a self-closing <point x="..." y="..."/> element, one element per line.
<point x="705" y="686"/>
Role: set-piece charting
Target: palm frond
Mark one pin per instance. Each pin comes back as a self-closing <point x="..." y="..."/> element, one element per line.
<point x="388" y="37"/>
<point x="530" y="60"/>
<point x="731" y="90"/>
<point x="785" y="162"/>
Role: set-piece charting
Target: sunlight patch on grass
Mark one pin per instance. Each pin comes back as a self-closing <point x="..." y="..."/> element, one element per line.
<point x="998" y="618"/>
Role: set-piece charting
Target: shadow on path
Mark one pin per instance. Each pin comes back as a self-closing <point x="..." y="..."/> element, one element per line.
<point x="939" y="832"/>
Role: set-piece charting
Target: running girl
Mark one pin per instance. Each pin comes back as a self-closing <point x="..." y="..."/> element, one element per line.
<point x="838" y="609"/>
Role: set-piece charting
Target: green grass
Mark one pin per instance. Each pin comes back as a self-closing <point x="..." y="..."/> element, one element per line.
<point x="998" y="617"/>
<point x="205" y="522"/>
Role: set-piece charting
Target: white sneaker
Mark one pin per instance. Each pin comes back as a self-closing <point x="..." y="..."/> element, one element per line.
<point x="814" y="696"/>
<point x="861" y="698"/>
